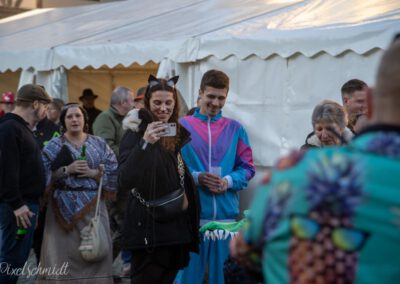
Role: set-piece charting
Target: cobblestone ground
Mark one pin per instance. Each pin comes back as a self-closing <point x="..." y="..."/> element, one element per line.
<point x="31" y="263"/>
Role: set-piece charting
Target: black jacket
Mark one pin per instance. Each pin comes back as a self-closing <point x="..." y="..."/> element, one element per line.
<point x="153" y="172"/>
<point x="23" y="177"/>
<point x="92" y="114"/>
<point x="45" y="131"/>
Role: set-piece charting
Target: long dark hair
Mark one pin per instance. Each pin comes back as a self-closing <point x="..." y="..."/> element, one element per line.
<point x="161" y="84"/>
<point x="64" y="110"/>
<point x="168" y="85"/>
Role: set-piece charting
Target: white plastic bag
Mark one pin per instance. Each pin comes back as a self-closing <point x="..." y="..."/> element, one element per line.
<point x="94" y="239"/>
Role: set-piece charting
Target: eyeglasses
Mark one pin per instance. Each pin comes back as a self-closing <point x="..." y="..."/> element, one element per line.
<point x="344" y="238"/>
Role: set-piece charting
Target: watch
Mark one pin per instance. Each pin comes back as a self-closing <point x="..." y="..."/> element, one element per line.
<point x="64" y="171"/>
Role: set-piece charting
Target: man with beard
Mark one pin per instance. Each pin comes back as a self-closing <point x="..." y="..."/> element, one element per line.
<point x="23" y="179"/>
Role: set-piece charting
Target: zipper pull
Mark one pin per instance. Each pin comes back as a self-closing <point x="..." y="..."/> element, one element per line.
<point x="145" y="241"/>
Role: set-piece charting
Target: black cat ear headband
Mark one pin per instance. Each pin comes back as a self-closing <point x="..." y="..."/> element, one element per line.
<point x="153" y="81"/>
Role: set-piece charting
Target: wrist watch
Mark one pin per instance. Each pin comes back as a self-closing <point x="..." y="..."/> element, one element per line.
<point x="64" y="171"/>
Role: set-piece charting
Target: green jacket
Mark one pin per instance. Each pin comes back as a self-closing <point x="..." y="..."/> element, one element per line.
<point x="108" y="125"/>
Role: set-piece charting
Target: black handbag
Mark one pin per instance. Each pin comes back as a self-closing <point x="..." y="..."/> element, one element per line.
<point x="64" y="158"/>
<point x="169" y="206"/>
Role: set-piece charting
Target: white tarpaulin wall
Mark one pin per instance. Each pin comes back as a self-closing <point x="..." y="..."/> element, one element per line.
<point x="283" y="56"/>
<point x="274" y="98"/>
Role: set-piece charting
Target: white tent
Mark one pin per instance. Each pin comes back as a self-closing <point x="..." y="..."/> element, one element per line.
<point x="282" y="56"/>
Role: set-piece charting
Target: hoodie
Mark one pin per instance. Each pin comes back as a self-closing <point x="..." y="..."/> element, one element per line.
<point x="23" y="177"/>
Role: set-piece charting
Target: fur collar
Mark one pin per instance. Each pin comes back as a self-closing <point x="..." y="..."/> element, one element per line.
<point x="132" y="120"/>
<point x="137" y="120"/>
<point x="314" y="141"/>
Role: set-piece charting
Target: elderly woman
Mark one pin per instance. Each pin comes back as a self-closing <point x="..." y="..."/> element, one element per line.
<point x="72" y="164"/>
<point x="152" y="169"/>
<point x="329" y="123"/>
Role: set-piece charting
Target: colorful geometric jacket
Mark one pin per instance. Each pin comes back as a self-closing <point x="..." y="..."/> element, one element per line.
<point x="332" y="215"/>
<point x="218" y="142"/>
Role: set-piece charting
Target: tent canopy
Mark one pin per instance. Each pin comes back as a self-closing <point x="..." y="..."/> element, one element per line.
<point x="127" y="32"/>
<point x="282" y="56"/>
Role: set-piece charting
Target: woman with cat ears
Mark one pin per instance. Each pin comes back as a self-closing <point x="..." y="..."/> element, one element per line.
<point x="152" y="169"/>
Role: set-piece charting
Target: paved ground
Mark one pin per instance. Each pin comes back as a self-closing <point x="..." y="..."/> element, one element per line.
<point x="31" y="263"/>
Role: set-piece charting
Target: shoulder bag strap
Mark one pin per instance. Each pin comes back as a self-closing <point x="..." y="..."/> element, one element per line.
<point x="97" y="212"/>
<point x="181" y="170"/>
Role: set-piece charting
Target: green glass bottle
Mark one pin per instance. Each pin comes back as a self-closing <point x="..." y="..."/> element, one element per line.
<point x="82" y="156"/>
<point x="21" y="233"/>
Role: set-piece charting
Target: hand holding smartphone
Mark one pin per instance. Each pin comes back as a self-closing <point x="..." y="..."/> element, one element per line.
<point x="170" y="130"/>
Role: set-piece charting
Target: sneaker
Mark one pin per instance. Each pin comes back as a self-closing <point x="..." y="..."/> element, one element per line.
<point x="126" y="270"/>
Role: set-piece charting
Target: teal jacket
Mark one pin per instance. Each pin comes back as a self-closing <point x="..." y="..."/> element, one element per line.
<point x="108" y="125"/>
<point x="332" y="215"/>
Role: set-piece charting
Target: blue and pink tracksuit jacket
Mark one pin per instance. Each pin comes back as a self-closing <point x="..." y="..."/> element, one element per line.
<point x="218" y="142"/>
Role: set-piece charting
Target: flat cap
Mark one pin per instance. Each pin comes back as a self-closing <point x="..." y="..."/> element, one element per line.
<point x="32" y="92"/>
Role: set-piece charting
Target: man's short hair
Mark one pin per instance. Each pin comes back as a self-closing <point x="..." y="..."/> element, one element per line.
<point x="216" y="79"/>
<point x="351" y="86"/>
<point x="119" y="95"/>
<point x="58" y="103"/>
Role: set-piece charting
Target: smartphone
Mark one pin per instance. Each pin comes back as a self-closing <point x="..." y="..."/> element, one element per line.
<point x="170" y="130"/>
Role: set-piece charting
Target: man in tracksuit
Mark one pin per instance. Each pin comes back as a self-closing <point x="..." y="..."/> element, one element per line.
<point x="220" y="159"/>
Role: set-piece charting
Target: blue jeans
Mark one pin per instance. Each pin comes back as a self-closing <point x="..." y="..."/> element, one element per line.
<point x="13" y="253"/>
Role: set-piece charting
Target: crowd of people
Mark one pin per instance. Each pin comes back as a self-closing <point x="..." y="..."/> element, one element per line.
<point x="169" y="184"/>
<point x="331" y="215"/>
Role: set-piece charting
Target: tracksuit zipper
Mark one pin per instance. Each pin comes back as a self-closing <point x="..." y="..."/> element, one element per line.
<point x="209" y="164"/>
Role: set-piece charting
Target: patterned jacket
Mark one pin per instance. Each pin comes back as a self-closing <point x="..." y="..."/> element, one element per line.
<point x="332" y="215"/>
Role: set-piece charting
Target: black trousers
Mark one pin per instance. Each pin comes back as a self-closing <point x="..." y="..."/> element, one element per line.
<point x="39" y="231"/>
<point x="153" y="273"/>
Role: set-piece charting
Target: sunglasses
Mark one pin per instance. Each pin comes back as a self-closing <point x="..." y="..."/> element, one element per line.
<point x="344" y="238"/>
